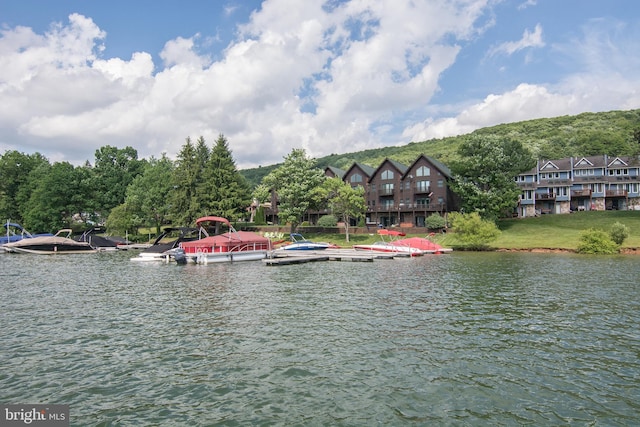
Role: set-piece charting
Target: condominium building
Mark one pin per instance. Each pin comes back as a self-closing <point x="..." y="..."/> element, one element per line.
<point x="401" y="195"/>
<point x="580" y="184"/>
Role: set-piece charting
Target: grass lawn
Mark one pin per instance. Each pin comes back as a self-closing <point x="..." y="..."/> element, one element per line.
<point x="563" y="231"/>
<point x="557" y="231"/>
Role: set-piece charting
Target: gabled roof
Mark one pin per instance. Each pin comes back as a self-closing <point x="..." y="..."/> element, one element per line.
<point x="396" y="165"/>
<point x="367" y="170"/>
<point x="549" y="165"/>
<point x="617" y="162"/>
<point x="589" y="162"/>
<point x="335" y="171"/>
<point x="583" y="162"/>
<point x="444" y="170"/>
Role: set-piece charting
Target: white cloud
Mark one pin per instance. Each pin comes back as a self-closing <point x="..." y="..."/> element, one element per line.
<point x="329" y="80"/>
<point x="607" y="80"/>
<point x="529" y="39"/>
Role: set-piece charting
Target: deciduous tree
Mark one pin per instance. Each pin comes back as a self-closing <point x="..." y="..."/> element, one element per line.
<point x="484" y="174"/>
<point x="148" y="194"/>
<point x="17" y="182"/>
<point x="345" y="201"/>
<point x="114" y="169"/>
<point x="294" y="182"/>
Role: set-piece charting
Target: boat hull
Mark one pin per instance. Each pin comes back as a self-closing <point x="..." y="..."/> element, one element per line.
<point x="389" y="249"/>
<point x="53" y="250"/>
<point x="218" y="257"/>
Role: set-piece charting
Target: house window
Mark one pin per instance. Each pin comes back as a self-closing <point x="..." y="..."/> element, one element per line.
<point x="618" y="172"/>
<point x="440" y="183"/>
<point x="423" y="171"/>
<point x="387" y="204"/>
<point x="355" y="178"/>
<point x="423" y="202"/>
<point x="386" y="188"/>
<point x="423" y="186"/>
<point x="387" y="174"/>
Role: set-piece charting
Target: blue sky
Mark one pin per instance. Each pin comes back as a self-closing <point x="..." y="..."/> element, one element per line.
<point x="327" y="76"/>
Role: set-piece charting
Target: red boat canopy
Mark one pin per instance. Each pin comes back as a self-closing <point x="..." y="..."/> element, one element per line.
<point x="385" y="232"/>
<point x="204" y="219"/>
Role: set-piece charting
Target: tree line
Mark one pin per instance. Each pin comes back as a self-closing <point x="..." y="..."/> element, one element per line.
<point x="126" y="193"/>
<point x="122" y="191"/>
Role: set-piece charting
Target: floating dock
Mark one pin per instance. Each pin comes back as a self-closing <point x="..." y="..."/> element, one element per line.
<point x="283" y="257"/>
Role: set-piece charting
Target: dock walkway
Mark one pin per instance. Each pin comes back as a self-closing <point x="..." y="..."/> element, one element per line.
<point x="282" y="257"/>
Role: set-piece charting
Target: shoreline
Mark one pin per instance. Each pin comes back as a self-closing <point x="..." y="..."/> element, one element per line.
<point x="623" y="251"/>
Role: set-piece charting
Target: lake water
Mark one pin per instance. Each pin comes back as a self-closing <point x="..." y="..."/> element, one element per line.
<point x="458" y="339"/>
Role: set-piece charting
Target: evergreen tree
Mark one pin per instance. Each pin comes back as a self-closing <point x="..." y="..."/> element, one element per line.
<point x="223" y="191"/>
<point x="184" y="204"/>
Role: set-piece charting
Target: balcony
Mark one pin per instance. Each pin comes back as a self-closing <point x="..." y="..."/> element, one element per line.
<point x="580" y="193"/>
<point x="545" y="196"/>
<point x="422" y="189"/>
<point x="616" y="193"/>
<point x="527" y="185"/>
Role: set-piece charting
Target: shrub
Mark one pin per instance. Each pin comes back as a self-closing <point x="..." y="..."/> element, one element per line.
<point x="327" y="221"/>
<point x="473" y="231"/>
<point x="435" y="222"/>
<point x="619" y="232"/>
<point x="594" y="241"/>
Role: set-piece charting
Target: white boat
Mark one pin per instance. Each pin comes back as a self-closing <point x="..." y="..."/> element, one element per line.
<point x="230" y="246"/>
<point x="299" y="243"/>
<point x="60" y="243"/>
<point x="165" y="245"/>
<point x="392" y="246"/>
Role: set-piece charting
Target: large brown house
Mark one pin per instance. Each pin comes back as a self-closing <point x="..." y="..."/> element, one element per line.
<point x="396" y="194"/>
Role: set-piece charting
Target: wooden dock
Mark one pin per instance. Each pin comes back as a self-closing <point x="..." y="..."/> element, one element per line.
<point x="282" y="257"/>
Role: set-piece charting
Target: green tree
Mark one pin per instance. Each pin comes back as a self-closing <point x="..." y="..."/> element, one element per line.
<point x="147" y="196"/>
<point x="17" y="181"/>
<point x="483" y="175"/>
<point x="294" y="182"/>
<point x="224" y="191"/>
<point x="122" y="220"/>
<point x="114" y="170"/>
<point x="619" y="232"/>
<point x="473" y="231"/>
<point x="345" y="201"/>
<point x="185" y="206"/>
<point x="52" y="205"/>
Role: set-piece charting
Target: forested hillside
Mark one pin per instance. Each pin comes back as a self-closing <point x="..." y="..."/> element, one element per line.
<point x="612" y="133"/>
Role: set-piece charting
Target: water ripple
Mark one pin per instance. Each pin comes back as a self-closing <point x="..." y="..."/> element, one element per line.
<point x="462" y="339"/>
